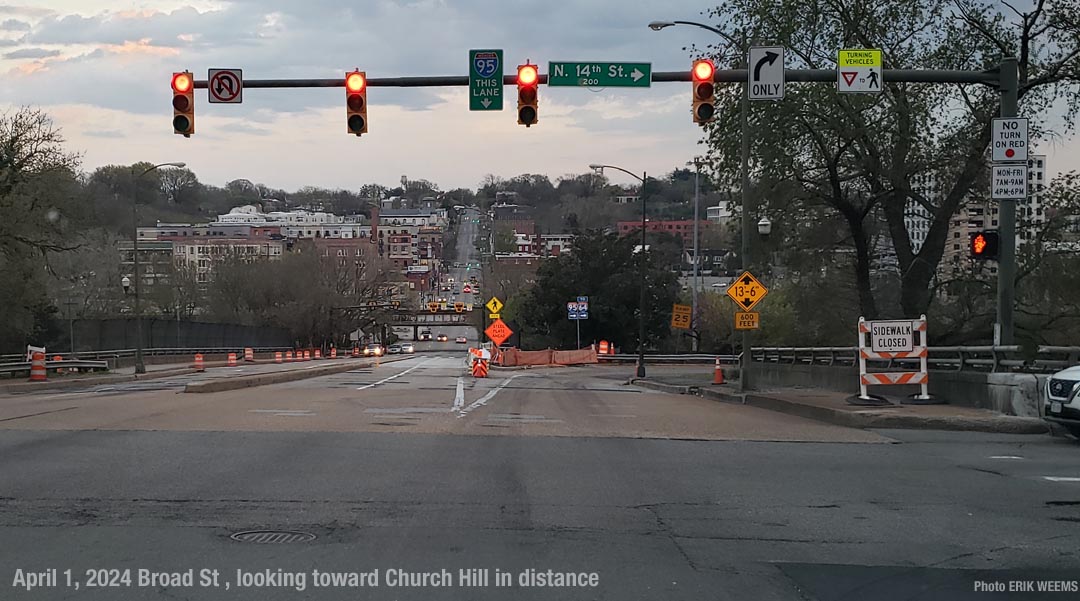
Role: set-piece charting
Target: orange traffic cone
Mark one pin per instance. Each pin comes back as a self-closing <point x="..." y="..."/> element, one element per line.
<point x="718" y="373"/>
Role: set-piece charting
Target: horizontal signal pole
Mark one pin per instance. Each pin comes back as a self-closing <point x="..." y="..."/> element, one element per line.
<point x="726" y="76"/>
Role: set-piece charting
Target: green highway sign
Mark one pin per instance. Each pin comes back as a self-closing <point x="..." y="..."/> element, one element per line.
<point x="600" y="75"/>
<point x="485" y="80"/>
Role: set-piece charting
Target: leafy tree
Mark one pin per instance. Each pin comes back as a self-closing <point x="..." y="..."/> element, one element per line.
<point x="857" y="158"/>
<point x="605" y="268"/>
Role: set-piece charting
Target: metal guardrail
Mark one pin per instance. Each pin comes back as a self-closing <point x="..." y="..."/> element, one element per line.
<point x="953" y="358"/>
<point x="687" y="358"/>
<point x="20" y="366"/>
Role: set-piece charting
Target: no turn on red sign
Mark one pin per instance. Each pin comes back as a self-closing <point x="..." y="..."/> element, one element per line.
<point x="1009" y="140"/>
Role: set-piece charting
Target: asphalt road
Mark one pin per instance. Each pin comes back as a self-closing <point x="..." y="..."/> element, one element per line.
<point x="411" y="466"/>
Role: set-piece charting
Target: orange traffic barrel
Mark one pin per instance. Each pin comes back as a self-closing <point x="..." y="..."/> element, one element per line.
<point x="249" y="354"/>
<point x="277" y="357"/>
<point x="318" y="353"/>
<point x="333" y="352"/>
<point x="199" y="362"/>
<point x="232" y="359"/>
<point x="37" y="368"/>
<point x="355" y="351"/>
<point x="307" y="355"/>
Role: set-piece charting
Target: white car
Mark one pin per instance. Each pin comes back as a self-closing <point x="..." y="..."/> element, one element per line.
<point x="1061" y="399"/>
<point x="408" y="348"/>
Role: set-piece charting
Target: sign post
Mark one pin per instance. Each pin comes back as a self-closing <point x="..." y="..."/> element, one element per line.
<point x="485" y="80"/>
<point x="599" y="74"/>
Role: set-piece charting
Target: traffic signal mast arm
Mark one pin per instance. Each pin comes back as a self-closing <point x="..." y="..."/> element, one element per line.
<point x="721" y="76"/>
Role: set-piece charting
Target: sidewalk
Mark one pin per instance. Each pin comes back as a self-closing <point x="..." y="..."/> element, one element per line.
<point x="832" y="407"/>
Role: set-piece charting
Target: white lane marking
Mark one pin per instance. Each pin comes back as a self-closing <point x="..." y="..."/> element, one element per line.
<point x="387" y="379"/>
<point x="1005" y="457"/>
<point x="459" y="396"/>
<point x="404" y="410"/>
<point x="611" y="415"/>
<point x="480" y="402"/>
<point x="284" y="412"/>
<point x="1061" y="478"/>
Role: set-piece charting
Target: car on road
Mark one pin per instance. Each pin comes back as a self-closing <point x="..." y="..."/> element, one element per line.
<point x="442" y="338"/>
<point x="395" y="349"/>
<point x="1061" y="399"/>
<point x="373" y="350"/>
<point x="461" y="340"/>
<point x="408" y="348"/>
<point x="425" y="336"/>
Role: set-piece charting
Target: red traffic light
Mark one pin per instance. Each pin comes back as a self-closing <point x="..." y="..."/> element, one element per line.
<point x="527" y="75"/>
<point x="355" y="82"/>
<point x="703" y="70"/>
<point x="181" y="83"/>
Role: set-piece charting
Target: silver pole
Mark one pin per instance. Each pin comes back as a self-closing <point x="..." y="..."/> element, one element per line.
<point x="697" y="258"/>
<point x="744" y="111"/>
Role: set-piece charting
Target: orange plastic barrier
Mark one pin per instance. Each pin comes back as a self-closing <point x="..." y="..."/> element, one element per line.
<point x="199" y="362"/>
<point x="249" y="354"/>
<point x="37" y="368"/>
<point x="578" y="357"/>
<point x="232" y="359"/>
<point x="277" y="357"/>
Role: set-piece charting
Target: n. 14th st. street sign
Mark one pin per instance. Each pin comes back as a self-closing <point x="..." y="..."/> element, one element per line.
<point x="485" y="80"/>
<point x="600" y="74"/>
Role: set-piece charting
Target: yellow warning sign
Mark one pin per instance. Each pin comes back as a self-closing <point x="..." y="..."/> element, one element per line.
<point x="494" y="305"/>
<point x="746" y="291"/>
<point x="861" y="57"/>
<point x="747" y="321"/>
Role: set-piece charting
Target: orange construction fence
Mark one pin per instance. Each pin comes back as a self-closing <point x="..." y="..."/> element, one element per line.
<point x="513" y="357"/>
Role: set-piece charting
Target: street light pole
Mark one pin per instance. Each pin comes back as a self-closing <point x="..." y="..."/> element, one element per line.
<point x="641" y="301"/>
<point x="140" y="367"/>
<point x="697" y="258"/>
<point x="744" y="112"/>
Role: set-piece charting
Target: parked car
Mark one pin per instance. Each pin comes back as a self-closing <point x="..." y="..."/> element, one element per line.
<point x="373" y="350"/>
<point x="408" y="348"/>
<point x="395" y="349"/>
<point x="1061" y="399"/>
<point x="442" y="338"/>
<point x="461" y="340"/>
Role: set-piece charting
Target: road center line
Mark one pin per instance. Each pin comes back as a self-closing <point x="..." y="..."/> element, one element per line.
<point x="459" y="396"/>
<point x="387" y="379"/>
<point x="480" y="402"/>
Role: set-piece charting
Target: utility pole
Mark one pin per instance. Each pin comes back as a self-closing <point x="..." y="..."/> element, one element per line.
<point x="697" y="257"/>
<point x="1009" y="87"/>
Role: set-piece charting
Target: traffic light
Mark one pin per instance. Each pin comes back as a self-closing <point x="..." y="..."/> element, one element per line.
<point x="183" y="101"/>
<point x="704" y="91"/>
<point x="356" y="101"/>
<point x="984" y="245"/>
<point x="528" y="79"/>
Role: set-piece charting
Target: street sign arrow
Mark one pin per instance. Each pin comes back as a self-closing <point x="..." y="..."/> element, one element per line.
<point x="486" y="102"/>
<point x="636" y="74"/>
<point x="770" y="58"/>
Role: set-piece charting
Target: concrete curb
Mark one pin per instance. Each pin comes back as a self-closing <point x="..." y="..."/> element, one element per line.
<point x="61" y="384"/>
<point x="292" y="375"/>
<point x="868" y="418"/>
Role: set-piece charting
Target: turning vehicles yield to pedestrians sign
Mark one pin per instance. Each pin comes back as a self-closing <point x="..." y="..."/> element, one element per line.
<point x="225" y="85"/>
<point x="859" y="70"/>
<point x="765" y="75"/>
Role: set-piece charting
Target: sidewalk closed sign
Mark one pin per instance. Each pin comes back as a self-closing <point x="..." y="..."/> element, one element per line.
<point x="891" y="336"/>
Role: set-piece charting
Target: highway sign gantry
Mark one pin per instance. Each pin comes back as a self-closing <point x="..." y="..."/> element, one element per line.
<point x="225" y="85"/>
<point x="681" y="316"/>
<point x="1009" y="140"/>
<point x="599" y="74"/>
<point x="765" y="77"/>
<point x="746" y="291"/>
<point x="486" y="80"/>
<point x="859" y="70"/>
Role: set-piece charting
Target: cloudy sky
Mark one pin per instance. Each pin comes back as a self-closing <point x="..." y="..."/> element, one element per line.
<point x="101" y="68"/>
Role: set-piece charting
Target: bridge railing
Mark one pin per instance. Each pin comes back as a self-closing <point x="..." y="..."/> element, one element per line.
<point x="955" y="358"/>
<point x="149" y="352"/>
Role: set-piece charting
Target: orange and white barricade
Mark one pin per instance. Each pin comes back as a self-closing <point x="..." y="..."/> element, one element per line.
<point x="307" y="355"/>
<point x="37" y="368"/>
<point x="333" y="352"/>
<point x="277" y="357"/>
<point x="318" y="353"/>
<point x="889" y="340"/>
<point x="199" y="362"/>
<point x="355" y="351"/>
<point x="604" y="347"/>
<point x="288" y="356"/>
<point x="249" y="354"/>
<point x="232" y="359"/>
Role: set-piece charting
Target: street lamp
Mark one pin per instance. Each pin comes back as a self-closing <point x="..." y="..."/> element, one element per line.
<point x="641" y="302"/>
<point x="140" y="368"/>
<point x="744" y="112"/>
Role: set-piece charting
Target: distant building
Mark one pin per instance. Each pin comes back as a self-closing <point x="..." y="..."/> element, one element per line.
<point x="720" y="213"/>
<point x="682" y="228"/>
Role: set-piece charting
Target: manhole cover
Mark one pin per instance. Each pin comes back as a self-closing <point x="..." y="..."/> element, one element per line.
<point x="273" y="537"/>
